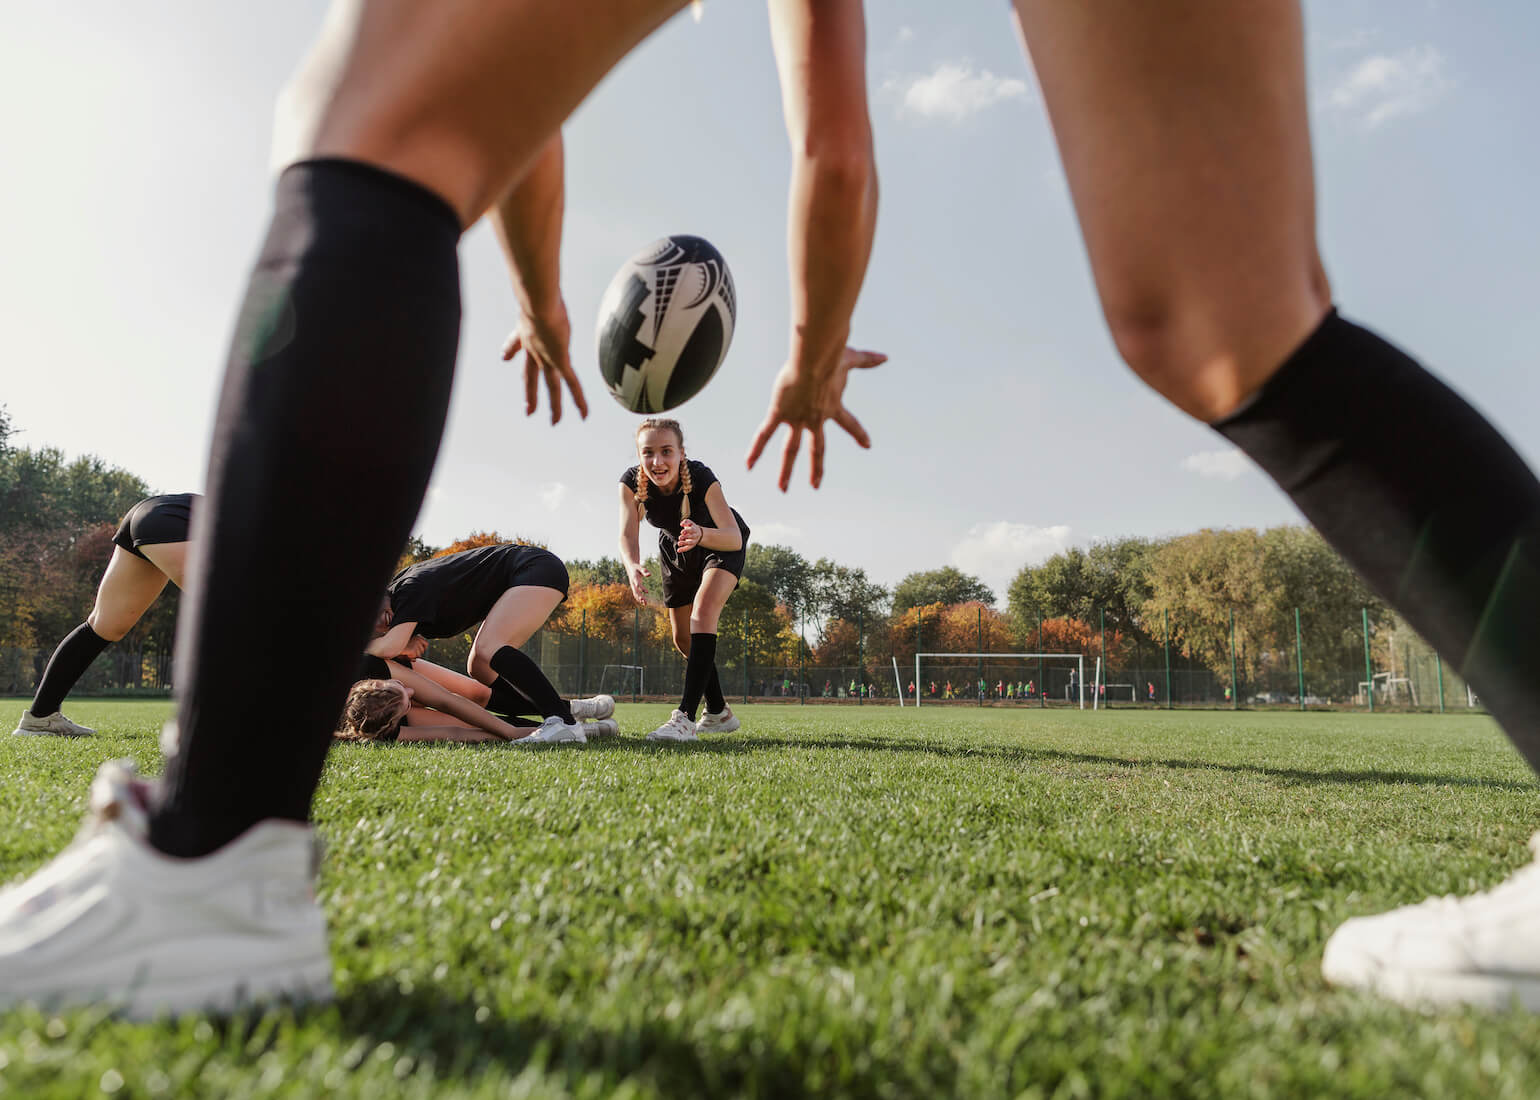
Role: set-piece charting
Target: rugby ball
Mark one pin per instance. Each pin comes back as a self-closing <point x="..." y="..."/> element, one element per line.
<point x="665" y="323"/>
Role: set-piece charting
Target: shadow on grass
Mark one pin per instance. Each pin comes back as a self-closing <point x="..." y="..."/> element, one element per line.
<point x="1030" y="755"/>
<point x="464" y="1039"/>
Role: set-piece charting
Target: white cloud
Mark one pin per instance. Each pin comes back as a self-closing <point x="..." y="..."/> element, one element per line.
<point x="906" y="33"/>
<point x="1221" y="465"/>
<point x="953" y="91"/>
<point x="552" y="494"/>
<point x="1386" y="86"/>
<point x="775" y="534"/>
<point x="995" y="552"/>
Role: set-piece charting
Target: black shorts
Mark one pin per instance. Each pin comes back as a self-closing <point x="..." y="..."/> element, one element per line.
<point x="449" y="595"/>
<point x="155" y="521"/>
<point x="682" y="573"/>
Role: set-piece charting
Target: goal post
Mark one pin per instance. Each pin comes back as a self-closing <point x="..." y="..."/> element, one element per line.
<point x="1078" y="673"/>
<point x="623" y="680"/>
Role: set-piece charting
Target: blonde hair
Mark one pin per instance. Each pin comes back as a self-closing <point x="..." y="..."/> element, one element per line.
<point x="667" y="424"/>
<point x="374" y="712"/>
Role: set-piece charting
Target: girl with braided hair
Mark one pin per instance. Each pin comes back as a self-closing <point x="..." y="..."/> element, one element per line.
<point x="702" y="546"/>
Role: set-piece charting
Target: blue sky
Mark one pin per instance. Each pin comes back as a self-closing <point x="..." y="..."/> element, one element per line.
<point x="138" y="187"/>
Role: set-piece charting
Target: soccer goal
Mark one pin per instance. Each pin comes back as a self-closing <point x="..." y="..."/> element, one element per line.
<point x="1076" y="678"/>
<point x="618" y="680"/>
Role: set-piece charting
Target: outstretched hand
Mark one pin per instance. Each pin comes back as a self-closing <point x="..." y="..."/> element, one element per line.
<point x="546" y="343"/>
<point x="802" y="399"/>
<point x="638" y="576"/>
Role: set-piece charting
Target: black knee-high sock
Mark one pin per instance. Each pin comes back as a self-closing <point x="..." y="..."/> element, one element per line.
<point x="334" y="399"/>
<point x="1421" y="495"/>
<point x="528" y="680"/>
<point x="699" y="667"/>
<point x="716" y="702"/>
<point x="509" y="702"/>
<point x="68" y="664"/>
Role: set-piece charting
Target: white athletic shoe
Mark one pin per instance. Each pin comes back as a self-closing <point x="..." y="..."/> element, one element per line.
<point x="1483" y="950"/>
<point x="553" y="731"/>
<point x="594" y="709"/>
<point x="604" y="727"/>
<point x="112" y="921"/>
<point x="677" y="728"/>
<point x="54" y="725"/>
<point x="725" y="722"/>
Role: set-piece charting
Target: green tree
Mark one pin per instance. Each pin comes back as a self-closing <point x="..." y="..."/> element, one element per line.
<point x="785" y="574"/>
<point x="598" y="571"/>
<point x="940" y="586"/>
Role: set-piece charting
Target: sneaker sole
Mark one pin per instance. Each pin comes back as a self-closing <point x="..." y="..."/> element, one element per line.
<point x="726" y="727"/>
<point x="1490" y="991"/>
<point x="19" y="732"/>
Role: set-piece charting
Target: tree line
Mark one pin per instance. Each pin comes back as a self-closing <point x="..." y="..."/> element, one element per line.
<point x="1126" y="599"/>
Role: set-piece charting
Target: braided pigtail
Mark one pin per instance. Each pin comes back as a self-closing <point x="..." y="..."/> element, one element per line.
<point x="642" y="481"/>
<point x="684" y="487"/>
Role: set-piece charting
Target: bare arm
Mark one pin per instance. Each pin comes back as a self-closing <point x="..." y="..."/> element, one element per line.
<point x="528" y="223"/>
<point x="820" y="52"/>
<point x="724" y="535"/>
<point x="429" y="694"/>
<point x="393" y="642"/>
<point x="631" y="544"/>
<point x="457" y="682"/>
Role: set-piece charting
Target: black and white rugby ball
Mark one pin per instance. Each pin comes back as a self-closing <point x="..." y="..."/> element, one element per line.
<point x="665" y="323"/>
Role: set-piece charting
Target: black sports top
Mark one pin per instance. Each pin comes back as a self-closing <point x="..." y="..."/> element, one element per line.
<point x="449" y="595"/>
<point x="663" y="509"/>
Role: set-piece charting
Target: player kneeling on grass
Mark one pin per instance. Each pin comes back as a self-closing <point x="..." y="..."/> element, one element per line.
<point x="511" y="591"/>
<point x="149" y="549"/>
<point x="701" y="564"/>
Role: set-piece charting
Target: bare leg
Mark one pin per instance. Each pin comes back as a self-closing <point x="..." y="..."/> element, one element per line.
<point x="1185" y="138"/>
<point x="128" y="588"/>
<point x="513" y="620"/>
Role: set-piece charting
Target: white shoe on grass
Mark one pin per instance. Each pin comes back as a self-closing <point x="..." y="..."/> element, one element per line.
<point x="112" y="921"/>
<point x="677" y="728"/>
<point x="554" y="731"/>
<point x="52" y="725"/>
<point x="593" y="709"/>
<point x="604" y="727"/>
<point x="724" y="721"/>
<point x="1482" y="950"/>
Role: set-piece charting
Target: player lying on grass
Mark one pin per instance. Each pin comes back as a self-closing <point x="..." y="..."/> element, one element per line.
<point x="511" y="590"/>
<point x="149" y="549"/>
<point x="701" y="564"/>
<point x="445" y="705"/>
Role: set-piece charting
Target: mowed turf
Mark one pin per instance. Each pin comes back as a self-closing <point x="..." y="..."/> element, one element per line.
<point x="843" y="901"/>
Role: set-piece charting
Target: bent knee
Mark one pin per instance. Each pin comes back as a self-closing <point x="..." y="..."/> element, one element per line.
<point x="110" y="628"/>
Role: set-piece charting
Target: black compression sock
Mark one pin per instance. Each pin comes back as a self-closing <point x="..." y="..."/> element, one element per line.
<point x="1421" y="495"/>
<point x="508" y="702"/>
<point x="525" y="676"/>
<point x="68" y="664"/>
<point x="699" y="666"/>
<point x="333" y="403"/>
<point x="716" y="703"/>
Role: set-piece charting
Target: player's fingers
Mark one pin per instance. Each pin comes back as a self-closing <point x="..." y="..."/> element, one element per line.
<point x="816" y="477"/>
<point x="789" y="455"/>
<point x="577" y="389"/>
<point x="859" y="358"/>
<point x="553" y="386"/>
<point x="511" y="347"/>
<point x="531" y="386"/>
<point x="761" y="437"/>
<point x="846" y="419"/>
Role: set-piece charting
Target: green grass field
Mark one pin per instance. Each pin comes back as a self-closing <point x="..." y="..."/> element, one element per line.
<point x="843" y="901"/>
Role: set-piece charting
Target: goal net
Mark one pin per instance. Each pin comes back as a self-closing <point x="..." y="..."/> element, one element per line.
<point x="999" y="676"/>
<point x="618" y="680"/>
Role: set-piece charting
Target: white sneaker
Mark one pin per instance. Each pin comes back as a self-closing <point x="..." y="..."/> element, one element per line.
<point x="594" y="709"/>
<point x="724" y="722"/>
<point x="1483" y="950"/>
<point x="604" y="727"/>
<point x="113" y="921"/>
<point x="553" y="731"/>
<point x="677" y="728"/>
<point x="54" y="725"/>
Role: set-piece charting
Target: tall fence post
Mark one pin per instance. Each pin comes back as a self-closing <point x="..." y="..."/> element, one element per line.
<point x="1235" y="686"/>
<point x="983" y="687"/>
<point x="801" y="661"/>
<point x="1368" y="665"/>
<point x="1438" y="665"/>
<point x="636" y="652"/>
<point x="1042" y="688"/>
<point x="1101" y="688"/>
<point x="745" y="656"/>
<point x="1165" y="619"/>
<point x="1299" y="658"/>
<point x="919" y="618"/>
<point x="583" y="655"/>
<point x="860" y="657"/>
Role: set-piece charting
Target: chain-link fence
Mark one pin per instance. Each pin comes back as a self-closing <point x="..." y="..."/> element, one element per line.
<point x="1240" y="661"/>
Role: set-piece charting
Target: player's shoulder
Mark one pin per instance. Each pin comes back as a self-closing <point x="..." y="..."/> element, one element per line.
<point x="628" y="477"/>
<point x="701" y="475"/>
